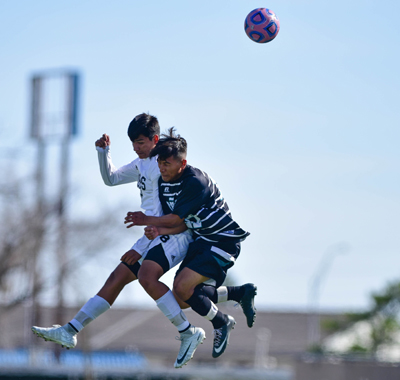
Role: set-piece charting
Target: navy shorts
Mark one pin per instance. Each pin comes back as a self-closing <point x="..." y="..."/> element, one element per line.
<point x="156" y="254"/>
<point x="133" y="268"/>
<point x="211" y="260"/>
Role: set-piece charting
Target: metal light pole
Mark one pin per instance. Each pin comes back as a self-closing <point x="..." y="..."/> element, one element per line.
<point x="316" y="281"/>
<point x="53" y="119"/>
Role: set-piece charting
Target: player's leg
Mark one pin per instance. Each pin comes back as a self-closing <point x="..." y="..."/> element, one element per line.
<point x="100" y="303"/>
<point x="149" y="275"/>
<point x="66" y="335"/>
<point x="244" y="295"/>
<point x="118" y="279"/>
<point x="122" y="275"/>
<point x="205" y="263"/>
<point x="166" y="252"/>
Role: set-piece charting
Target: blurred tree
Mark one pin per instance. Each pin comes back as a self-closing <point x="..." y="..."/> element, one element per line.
<point x="381" y="320"/>
<point x="26" y="238"/>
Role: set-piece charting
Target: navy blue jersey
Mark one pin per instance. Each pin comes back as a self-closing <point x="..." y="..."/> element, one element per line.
<point x="196" y="198"/>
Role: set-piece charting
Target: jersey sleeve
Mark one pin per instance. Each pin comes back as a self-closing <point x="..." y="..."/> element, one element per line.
<point x="191" y="198"/>
<point x="155" y="176"/>
<point x="110" y="174"/>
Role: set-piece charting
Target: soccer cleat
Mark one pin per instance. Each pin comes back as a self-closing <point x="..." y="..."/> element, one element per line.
<point x="56" y="334"/>
<point x="221" y="337"/>
<point x="247" y="303"/>
<point x="190" y="339"/>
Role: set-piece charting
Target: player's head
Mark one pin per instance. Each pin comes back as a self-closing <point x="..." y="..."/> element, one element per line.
<point x="171" y="150"/>
<point x="144" y="132"/>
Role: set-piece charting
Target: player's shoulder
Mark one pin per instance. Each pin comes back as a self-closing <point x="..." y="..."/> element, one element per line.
<point x="145" y="163"/>
<point x="148" y="167"/>
<point x="153" y="168"/>
<point x="135" y="163"/>
<point x="193" y="176"/>
<point x="196" y="173"/>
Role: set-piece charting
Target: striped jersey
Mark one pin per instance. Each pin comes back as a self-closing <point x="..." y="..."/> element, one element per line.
<point x="196" y="198"/>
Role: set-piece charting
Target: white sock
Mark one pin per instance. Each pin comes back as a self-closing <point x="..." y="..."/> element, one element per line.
<point x="171" y="309"/>
<point x="89" y="311"/>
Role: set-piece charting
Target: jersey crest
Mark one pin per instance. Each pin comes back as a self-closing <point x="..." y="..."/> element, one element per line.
<point x="193" y="221"/>
<point x="171" y="203"/>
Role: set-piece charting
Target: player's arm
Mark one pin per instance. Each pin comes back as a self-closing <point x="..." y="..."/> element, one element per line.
<point x="137" y="218"/>
<point x="190" y="199"/>
<point x="110" y="174"/>
<point x="152" y="232"/>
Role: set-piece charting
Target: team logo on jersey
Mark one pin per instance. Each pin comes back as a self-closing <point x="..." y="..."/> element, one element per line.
<point x="193" y="221"/>
<point x="171" y="203"/>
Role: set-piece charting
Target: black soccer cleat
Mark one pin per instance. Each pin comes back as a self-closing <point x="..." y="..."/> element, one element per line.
<point x="221" y="337"/>
<point x="247" y="303"/>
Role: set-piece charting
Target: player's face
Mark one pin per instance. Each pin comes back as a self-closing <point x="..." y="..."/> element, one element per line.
<point x="143" y="145"/>
<point x="171" y="168"/>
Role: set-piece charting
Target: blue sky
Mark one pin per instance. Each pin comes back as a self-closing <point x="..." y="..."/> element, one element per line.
<point x="301" y="133"/>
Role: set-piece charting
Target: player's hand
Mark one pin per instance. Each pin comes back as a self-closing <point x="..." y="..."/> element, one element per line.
<point x="130" y="257"/>
<point x="151" y="232"/>
<point x="136" y="218"/>
<point x="103" y="141"/>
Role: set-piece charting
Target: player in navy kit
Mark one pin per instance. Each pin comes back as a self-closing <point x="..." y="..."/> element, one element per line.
<point x="189" y="195"/>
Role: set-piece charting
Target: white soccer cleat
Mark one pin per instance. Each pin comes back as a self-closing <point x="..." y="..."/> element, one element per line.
<point x="190" y="339"/>
<point x="56" y="334"/>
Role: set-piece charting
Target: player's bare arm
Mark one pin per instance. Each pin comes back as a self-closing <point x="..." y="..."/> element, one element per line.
<point x="103" y="141"/>
<point x="151" y="232"/>
<point x="138" y="218"/>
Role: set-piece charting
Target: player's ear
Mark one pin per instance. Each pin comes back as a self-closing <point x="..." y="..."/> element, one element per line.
<point x="184" y="163"/>
<point x="156" y="138"/>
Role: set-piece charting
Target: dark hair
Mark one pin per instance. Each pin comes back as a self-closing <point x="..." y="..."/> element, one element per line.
<point x="170" y="144"/>
<point x="143" y="124"/>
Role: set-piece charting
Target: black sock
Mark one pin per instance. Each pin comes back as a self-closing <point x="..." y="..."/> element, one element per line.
<point x="219" y="320"/>
<point x="199" y="301"/>
<point x="201" y="304"/>
<point x="211" y="293"/>
<point x="235" y="293"/>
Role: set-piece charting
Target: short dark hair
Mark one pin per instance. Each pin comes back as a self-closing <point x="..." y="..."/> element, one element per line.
<point x="143" y="124"/>
<point x="170" y="144"/>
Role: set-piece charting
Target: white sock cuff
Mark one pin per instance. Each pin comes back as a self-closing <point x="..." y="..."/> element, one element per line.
<point x="212" y="312"/>
<point x="222" y="292"/>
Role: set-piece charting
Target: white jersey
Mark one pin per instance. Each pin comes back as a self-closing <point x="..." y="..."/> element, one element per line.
<point x="143" y="171"/>
<point x="146" y="173"/>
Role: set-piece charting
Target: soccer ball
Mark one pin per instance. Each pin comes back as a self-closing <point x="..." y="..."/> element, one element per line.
<point x="261" y="25"/>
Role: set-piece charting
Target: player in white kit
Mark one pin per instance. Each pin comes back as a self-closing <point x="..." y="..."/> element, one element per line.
<point x="153" y="257"/>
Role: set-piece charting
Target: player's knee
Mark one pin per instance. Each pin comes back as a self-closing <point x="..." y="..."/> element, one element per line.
<point x="181" y="290"/>
<point x="146" y="282"/>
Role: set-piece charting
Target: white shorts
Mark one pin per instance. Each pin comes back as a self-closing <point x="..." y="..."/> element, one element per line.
<point x="142" y="245"/>
<point x="174" y="248"/>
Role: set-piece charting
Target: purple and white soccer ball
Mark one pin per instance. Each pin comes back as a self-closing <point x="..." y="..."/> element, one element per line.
<point x="261" y="25"/>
